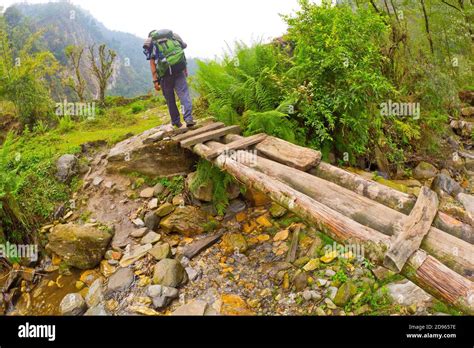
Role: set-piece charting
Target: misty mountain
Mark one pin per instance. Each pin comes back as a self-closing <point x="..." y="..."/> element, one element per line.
<point x="66" y="24"/>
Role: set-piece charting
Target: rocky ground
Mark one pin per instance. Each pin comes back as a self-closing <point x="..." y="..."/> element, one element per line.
<point x="158" y="254"/>
<point x="125" y="246"/>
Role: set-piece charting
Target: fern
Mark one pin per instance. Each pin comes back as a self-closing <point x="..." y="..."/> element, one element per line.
<point x="220" y="181"/>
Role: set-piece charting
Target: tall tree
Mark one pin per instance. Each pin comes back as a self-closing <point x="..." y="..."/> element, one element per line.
<point x="78" y="83"/>
<point x="102" y="67"/>
<point x="427" y="25"/>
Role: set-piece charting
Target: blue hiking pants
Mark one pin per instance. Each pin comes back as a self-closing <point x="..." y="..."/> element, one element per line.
<point x="177" y="83"/>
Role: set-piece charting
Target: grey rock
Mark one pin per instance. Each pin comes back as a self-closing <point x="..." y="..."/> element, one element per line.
<point x="98" y="310"/>
<point x="138" y="233"/>
<point x="307" y="295"/>
<point x="406" y="293"/>
<point x="329" y="273"/>
<point x="97" y="180"/>
<point x="194" y="308"/>
<point x="67" y="167"/>
<point x="151" y="221"/>
<point x="150" y="238"/>
<point x="72" y="304"/>
<point x="445" y="185"/>
<point x="158" y="189"/>
<point x="95" y="294"/>
<point x="236" y="206"/>
<point x="468" y="203"/>
<point x="138" y="222"/>
<point x="331" y="292"/>
<point x="120" y="280"/>
<point x="161" y="295"/>
<point x="192" y="273"/>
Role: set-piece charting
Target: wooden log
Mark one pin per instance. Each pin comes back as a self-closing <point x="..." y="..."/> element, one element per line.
<point x="203" y="129"/>
<point x="290" y="154"/>
<point x="412" y="231"/>
<point x="213" y="134"/>
<point x="427" y="272"/>
<point x="196" y="247"/>
<point x="391" y="198"/>
<point x="291" y="256"/>
<point x="454" y="252"/>
<point x="240" y="144"/>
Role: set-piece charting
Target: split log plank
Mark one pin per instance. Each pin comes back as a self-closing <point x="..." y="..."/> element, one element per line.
<point x="391" y="198"/>
<point x="213" y="134"/>
<point x="289" y="154"/>
<point x="454" y="252"/>
<point x="423" y="270"/>
<point x="240" y="144"/>
<point x="412" y="231"/>
<point x="196" y="247"/>
<point x="291" y="256"/>
<point x="364" y="210"/>
<point x="203" y="129"/>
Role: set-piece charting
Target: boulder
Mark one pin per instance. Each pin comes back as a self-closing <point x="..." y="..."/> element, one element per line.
<point x="66" y="167"/>
<point x="169" y="272"/>
<point x="79" y="246"/>
<point x="345" y="293"/>
<point x="72" y="304"/>
<point x="150" y="238"/>
<point x="156" y="159"/>
<point x="188" y="221"/>
<point x="120" y="280"/>
<point x="424" y="170"/>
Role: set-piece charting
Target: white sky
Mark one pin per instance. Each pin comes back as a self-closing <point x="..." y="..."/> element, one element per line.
<point x="205" y="25"/>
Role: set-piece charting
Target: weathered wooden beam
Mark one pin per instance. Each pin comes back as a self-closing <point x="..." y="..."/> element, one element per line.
<point x="239" y="144"/>
<point x="454" y="252"/>
<point x="425" y="271"/>
<point x="291" y="255"/>
<point x="203" y="129"/>
<point x="391" y="198"/>
<point x="210" y="135"/>
<point x="412" y="230"/>
<point x="289" y="154"/>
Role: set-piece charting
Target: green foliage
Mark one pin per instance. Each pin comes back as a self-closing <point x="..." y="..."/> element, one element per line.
<point x="273" y="123"/>
<point x="23" y="77"/>
<point x="220" y="181"/>
<point x="174" y="184"/>
<point x="66" y="124"/>
<point x="340" y="276"/>
<point x="10" y="182"/>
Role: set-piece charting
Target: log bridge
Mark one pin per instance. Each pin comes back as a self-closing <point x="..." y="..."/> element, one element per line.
<point x="403" y="233"/>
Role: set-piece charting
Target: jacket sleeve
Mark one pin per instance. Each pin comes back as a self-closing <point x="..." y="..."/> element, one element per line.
<point x="180" y="40"/>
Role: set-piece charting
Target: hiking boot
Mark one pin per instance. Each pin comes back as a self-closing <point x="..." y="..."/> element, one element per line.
<point x="190" y="124"/>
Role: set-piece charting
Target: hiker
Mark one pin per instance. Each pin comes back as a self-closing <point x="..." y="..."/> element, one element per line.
<point x="165" y="51"/>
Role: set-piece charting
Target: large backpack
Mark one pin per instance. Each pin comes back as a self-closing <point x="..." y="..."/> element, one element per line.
<point x="169" y="50"/>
